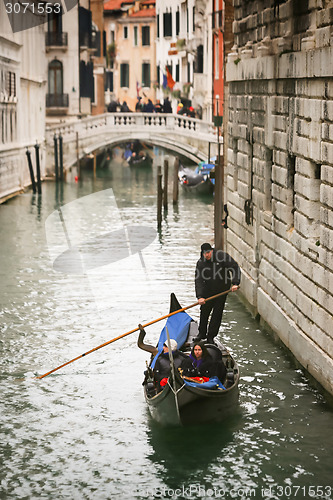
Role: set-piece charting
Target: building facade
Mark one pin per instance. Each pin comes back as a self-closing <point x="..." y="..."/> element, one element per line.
<point x="280" y="171"/>
<point x="75" y="52"/>
<point x="22" y="103"/>
<point x="131" y="63"/>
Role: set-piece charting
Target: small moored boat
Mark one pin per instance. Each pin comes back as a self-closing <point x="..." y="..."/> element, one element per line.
<point x="181" y="401"/>
<point x="197" y="181"/>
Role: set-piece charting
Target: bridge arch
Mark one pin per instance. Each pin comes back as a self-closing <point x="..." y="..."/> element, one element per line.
<point x="189" y="137"/>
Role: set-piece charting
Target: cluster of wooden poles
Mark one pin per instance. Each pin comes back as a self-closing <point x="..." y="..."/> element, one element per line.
<point x="162" y="188"/>
<point x="36" y="186"/>
<point x="58" y="158"/>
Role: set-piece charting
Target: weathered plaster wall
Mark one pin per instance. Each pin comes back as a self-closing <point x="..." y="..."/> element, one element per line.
<point x="280" y="158"/>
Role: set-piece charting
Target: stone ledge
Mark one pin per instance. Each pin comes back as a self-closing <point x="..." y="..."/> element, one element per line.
<point x="305" y="64"/>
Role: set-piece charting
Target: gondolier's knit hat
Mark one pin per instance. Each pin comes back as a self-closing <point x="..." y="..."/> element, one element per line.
<point x="173" y="344"/>
<point x="206" y="247"/>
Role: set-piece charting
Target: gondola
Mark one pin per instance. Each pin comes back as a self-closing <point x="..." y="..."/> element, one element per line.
<point x="141" y="159"/>
<point x="196" y="181"/>
<point x="181" y="402"/>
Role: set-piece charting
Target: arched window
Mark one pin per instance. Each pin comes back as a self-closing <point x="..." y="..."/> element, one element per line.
<point x="55" y="77"/>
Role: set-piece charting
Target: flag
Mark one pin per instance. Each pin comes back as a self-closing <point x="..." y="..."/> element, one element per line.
<point x="165" y="81"/>
<point x="170" y="81"/>
<point x="138" y="88"/>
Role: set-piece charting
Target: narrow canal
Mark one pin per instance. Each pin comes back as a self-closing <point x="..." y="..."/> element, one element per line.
<point x="85" y="432"/>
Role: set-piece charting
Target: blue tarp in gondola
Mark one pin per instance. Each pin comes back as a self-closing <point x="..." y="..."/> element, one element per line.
<point x="178" y="326"/>
<point x="213" y="383"/>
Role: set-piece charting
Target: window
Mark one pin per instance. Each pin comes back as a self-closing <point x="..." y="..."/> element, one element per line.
<point x="108" y="81"/>
<point x="135" y="36"/>
<point x="216" y="58"/>
<point x="158" y="74"/>
<point x="199" y="61"/>
<point x="124" y="75"/>
<point x="177" y="72"/>
<point x="146" y="75"/>
<point x="11" y="84"/>
<point x="55" y="77"/>
<point x="125" y="33"/>
<point x="193" y="19"/>
<point x="145" y="33"/>
<point x="167" y="24"/>
<point x="177" y="23"/>
<point x="158" y="26"/>
<point x="54" y="21"/>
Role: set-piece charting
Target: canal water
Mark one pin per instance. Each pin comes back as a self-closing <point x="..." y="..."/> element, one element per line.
<point x="84" y="432"/>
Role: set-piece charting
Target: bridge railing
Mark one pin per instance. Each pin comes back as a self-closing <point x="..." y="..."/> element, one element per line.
<point x="118" y="122"/>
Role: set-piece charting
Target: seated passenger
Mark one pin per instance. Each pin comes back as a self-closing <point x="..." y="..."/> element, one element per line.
<point x="199" y="363"/>
<point x="162" y="369"/>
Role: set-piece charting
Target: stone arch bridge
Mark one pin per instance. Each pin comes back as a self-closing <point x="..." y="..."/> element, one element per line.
<point x="190" y="137"/>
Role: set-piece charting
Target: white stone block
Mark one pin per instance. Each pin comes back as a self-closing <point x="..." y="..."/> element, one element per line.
<point x="311" y="209"/>
<point x="327" y="152"/>
<point x="279" y="175"/>
<point x="307" y="227"/>
<point x="327" y="174"/>
<point x="280" y="140"/>
<point x="309" y="188"/>
<point x="326" y="195"/>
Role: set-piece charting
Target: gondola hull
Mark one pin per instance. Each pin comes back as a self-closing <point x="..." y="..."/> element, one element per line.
<point x="195" y="183"/>
<point x="192" y="405"/>
<point x="140" y="161"/>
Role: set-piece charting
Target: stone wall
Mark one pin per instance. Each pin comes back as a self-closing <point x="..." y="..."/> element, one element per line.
<point x="280" y="171"/>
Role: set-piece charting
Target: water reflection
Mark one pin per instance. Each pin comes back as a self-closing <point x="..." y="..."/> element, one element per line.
<point x="185" y="451"/>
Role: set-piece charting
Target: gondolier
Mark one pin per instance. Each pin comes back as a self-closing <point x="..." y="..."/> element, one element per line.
<point x="216" y="271"/>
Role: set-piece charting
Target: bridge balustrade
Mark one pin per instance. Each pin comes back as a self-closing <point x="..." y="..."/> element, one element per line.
<point x="189" y="136"/>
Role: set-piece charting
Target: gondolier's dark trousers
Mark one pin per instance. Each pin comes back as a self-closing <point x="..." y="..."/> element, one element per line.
<point x="215" y="307"/>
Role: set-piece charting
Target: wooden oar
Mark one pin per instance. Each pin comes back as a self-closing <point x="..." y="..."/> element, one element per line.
<point x="128" y="333"/>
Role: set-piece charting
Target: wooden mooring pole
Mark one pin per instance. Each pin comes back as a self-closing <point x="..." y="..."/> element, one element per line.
<point x="31" y="170"/>
<point x="56" y="161"/>
<point x="165" y="190"/>
<point x="95" y="162"/>
<point x="175" y="180"/>
<point x="61" y="158"/>
<point x="78" y="166"/>
<point x="39" y="184"/>
<point x="159" y="197"/>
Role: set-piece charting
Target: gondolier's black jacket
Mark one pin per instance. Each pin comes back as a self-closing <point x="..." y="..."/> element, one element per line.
<point x="216" y="275"/>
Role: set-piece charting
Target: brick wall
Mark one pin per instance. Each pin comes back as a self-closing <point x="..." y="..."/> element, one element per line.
<point x="280" y="165"/>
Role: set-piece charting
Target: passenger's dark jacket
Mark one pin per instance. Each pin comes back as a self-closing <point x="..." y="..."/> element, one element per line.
<point x="162" y="367"/>
<point x="205" y="369"/>
<point x="216" y="275"/>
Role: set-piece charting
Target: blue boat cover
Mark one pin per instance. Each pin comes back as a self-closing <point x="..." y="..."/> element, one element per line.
<point x="213" y="383"/>
<point x="178" y="326"/>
